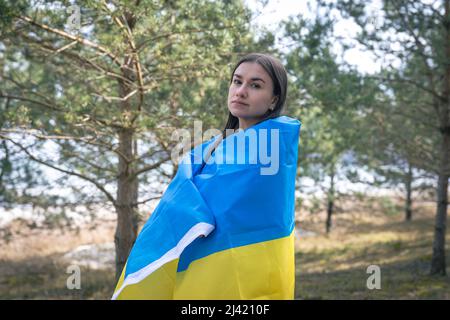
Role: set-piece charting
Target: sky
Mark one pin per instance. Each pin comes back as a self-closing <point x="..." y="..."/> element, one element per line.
<point x="269" y="17"/>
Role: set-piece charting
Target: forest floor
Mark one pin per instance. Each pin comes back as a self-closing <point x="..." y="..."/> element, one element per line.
<point x="333" y="266"/>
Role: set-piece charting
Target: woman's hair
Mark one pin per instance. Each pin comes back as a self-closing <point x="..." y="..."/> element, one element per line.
<point x="277" y="73"/>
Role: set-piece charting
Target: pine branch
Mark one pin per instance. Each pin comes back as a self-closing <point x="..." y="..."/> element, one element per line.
<point x="151" y="166"/>
<point x="72" y="173"/>
<point x="73" y="38"/>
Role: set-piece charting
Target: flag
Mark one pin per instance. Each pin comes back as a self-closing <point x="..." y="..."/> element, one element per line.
<point x="224" y="227"/>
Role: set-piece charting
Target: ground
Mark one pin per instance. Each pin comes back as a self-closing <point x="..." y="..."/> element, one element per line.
<point x="335" y="266"/>
<point x="330" y="266"/>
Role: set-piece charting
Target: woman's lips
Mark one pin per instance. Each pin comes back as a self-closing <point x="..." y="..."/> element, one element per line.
<point x="239" y="104"/>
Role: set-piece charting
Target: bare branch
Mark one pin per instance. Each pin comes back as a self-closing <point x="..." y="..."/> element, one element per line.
<point x="146" y="200"/>
<point x="72" y="173"/>
<point x="91" y="141"/>
<point x="45" y="46"/>
<point x="109" y="99"/>
<point x="90" y="163"/>
<point x="129" y="36"/>
<point x="13" y="97"/>
<point x="151" y="166"/>
<point x="72" y="37"/>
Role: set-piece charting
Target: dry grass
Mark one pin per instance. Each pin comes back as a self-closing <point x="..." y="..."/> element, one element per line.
<point x="31" y="265"/>
<point x="328" y="266"/>
<point x="334" y="266"/>
<point x="25" y="241"/>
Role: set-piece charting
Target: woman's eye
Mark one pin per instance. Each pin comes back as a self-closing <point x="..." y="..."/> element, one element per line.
<point x="254" y="85"/>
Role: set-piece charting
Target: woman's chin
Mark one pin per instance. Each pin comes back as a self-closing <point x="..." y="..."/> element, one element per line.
<point x="237" y="113"/>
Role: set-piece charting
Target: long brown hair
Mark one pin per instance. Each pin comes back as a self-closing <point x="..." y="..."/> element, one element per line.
<point x="277" y="73"/>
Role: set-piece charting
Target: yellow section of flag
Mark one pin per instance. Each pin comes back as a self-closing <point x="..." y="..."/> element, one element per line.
<point x="264" y="270"/>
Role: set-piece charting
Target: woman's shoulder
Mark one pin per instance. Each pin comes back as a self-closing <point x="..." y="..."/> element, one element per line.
<point x="285" y="121"/>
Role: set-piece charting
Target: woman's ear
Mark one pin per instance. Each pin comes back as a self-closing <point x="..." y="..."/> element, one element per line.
<point x="274" y="102"/>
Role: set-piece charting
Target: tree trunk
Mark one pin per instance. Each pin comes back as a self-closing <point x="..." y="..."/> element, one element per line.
<point x="330" y="205"/>
<point x="438" y="263"/>
<point x="126" y="205"/>
<point x="329" y="214"/>
<point x="408" y="185"/>
<point x="127" y="192"/>
<point x="127" y="183"/>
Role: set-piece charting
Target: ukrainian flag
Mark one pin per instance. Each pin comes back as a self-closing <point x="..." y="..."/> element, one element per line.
<point x="224" y="231"/>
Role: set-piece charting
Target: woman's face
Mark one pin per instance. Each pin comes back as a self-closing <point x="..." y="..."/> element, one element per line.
<point x="250" y="94"/>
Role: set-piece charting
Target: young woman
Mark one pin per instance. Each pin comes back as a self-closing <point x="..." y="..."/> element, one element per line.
<point x="224" y="229"/>
<point x="257" y="92"/>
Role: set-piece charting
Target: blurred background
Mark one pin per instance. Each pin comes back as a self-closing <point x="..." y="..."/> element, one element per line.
<point x="92" y="91"/>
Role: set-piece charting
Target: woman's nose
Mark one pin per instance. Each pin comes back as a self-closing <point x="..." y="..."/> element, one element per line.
<point x="241" y="91"/>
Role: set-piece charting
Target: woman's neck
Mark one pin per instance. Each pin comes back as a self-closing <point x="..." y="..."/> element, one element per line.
<point x="244" y="124"/>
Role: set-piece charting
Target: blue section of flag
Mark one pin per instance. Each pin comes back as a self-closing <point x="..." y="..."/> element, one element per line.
<point x="248" y="207"/>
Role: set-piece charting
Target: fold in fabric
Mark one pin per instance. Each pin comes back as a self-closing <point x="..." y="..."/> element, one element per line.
<point x="242" y="202"/>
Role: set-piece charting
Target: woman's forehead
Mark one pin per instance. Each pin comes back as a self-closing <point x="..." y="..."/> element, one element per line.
<point x="251" y="70"/>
